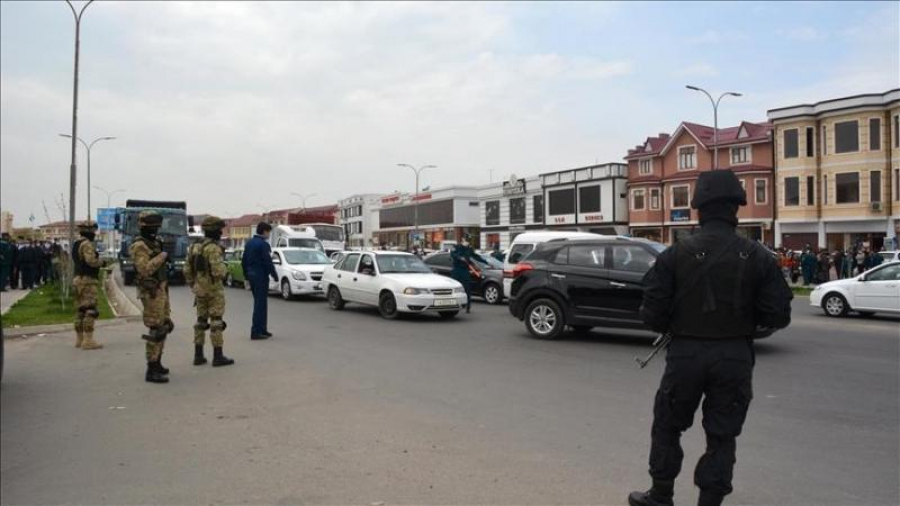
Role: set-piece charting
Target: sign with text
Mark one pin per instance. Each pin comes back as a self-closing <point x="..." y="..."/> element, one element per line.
<point x="106" y="218"/>
<point x="514" y="186"/>
<point x="680" y="215"/>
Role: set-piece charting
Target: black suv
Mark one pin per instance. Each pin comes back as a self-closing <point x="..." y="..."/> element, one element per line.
<point x="582" y="283"/>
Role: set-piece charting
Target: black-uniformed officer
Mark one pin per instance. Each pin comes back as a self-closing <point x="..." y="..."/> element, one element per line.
<point x="718" y="309"/>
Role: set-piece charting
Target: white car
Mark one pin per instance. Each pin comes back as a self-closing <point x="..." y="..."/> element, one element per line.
<point x="299" y="271"/>
<point x="394" y="282"/>
<point x="890" y="256"/>
<point x="874" y="291"/>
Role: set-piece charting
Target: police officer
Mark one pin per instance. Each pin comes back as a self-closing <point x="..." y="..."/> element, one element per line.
<point x="205" y="272"/>
<point x="86" y="285"/>
<point x="462" y="256"/>
<point x="153" y="290"/>
<point x="713" y="292"/>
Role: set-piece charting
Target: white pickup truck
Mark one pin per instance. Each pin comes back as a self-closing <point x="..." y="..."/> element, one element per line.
<point x="294" y="236"/>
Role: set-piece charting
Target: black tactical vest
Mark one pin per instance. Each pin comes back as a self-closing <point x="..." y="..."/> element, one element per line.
<point x="81" y="267"/>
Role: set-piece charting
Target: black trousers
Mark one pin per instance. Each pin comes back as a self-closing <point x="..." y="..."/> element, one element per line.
<point x="29" y="272"/>
<point x="721" y="374"/>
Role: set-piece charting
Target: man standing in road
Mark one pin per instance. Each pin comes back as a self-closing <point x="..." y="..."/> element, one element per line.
<point x="462" y="257"/>
<point x="258" y="267"/>
<point x="6" y="260"/>
<point x="86" y="285"/>
<point x="205" y="272"/>
<point x="153" y="290"/>
<point x="713" y="293"/>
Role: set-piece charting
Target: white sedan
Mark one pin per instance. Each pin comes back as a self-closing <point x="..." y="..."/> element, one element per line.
<point x="394" y="282"/>
<point x="299" y="271"/>
<point x="874" y="291"/>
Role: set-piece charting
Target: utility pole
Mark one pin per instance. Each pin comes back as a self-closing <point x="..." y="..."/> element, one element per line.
<point x="715" y="104"/>
<point x="416" y="195"/>
<point x="73" y="167"/>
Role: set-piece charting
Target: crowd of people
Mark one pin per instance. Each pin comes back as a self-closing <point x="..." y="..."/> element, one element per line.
<point x="813" y="266"/>
<point x="26" y="264"/>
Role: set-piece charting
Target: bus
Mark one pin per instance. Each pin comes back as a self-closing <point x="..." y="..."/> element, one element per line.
<point x="331" y="236"/>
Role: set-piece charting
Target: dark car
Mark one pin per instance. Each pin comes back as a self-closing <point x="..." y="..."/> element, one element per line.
<point x="487" y="285"/>
<point x="582" y="284"/>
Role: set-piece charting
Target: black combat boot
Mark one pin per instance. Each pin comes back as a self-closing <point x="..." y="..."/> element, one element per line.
<point x="162" y="369"/>
<point x="659" y="495"/>
<point x="199" y="359"/>
<point x="219" y="359"/>
<point x="708" y="498"/>
<point x="154" y="375"/>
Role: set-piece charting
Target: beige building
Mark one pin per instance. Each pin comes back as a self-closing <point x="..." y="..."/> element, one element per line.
<point x="837" y="171"/>
<point x="6" y="222"/>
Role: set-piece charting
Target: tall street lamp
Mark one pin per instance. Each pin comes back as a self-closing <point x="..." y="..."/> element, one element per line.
<point x="715" y="104"/>
<point x="88" y="148"/>
<point x="72" y="167"/>
<point x="303" y="198"/>
<point x="416" y="195"/>
<point x="110" y="234"/>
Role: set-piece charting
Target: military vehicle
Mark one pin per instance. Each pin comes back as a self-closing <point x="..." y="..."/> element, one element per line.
<point x="173" y="233"/>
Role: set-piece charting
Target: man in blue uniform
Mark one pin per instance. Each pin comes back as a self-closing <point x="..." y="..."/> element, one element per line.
<point x="258" y="267"/>
<point x="462" y="256"/>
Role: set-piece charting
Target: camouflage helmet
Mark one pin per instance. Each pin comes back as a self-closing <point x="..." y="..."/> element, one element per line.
<point x="718" y="185"/>
<point x="87" y="227"/>
<point x="149" y="219"/>
<point x="212" y="224"/>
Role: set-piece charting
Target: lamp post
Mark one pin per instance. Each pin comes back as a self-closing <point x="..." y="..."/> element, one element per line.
<point x="303" y="198"/>
<point x="715" y="104"/>
<point x="416" y="195"/>
<point x="72" y="167"/>
<point x="88" y="148"/>
<point x="110" y="234"/>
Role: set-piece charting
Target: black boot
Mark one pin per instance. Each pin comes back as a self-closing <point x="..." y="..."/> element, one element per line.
<point x="708" y="498"/>
<point x="199" y="359"/>
<point x="154" y="375"/>
<point x="162" y="369"/>
<point x="219" y="359"/>
<point x="659" y="495"/>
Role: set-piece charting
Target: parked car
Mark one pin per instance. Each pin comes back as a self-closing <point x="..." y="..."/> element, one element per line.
<point x="395" y="282"/>
<point x="235" y="276"/>
<point x="525" y="243"/>
<point x="582" y="283"/>
<point x="874" y="291"/>
<point x="299" y="271"/>
<point x="488" y="284"/>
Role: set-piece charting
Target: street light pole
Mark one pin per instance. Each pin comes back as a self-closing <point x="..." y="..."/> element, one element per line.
<point x="88" y="148"/>
<point x="715" y="104"/>
<point x="72" y="167"/>
<point x="303" y="199"/>
<point x="416" y="195"/>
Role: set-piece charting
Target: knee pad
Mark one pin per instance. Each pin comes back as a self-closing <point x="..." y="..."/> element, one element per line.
<point x="168" y="326"/>
<point x="92" y="311"/>
<point x="201" y="324"/>
<point x="218" y="325"/>
<point x="156" y="334"/>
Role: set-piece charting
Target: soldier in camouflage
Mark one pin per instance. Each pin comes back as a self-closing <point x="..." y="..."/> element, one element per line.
<point x="205" y="272"/>
<point x="153" y="290"/>
<point x="86" y="285"/>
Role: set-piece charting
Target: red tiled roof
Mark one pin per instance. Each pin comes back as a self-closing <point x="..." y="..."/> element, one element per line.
<point x="705" y="134"/>
<point x="651" y="146"/>
<point x="244" y="221"/>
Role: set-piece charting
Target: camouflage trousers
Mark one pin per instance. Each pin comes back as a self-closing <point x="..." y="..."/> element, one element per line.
<point x="210" y="309"/>
<point x="157" y="314"/>
<point x="85" y="290"/>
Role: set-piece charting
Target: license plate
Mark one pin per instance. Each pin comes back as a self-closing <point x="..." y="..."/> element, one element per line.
<point x="444" y="302"/>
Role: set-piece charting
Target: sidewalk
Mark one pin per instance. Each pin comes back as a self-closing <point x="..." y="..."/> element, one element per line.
<point x="10" y="297"/>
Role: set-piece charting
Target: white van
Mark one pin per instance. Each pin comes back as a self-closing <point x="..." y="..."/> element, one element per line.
<point x="525" y="243"/>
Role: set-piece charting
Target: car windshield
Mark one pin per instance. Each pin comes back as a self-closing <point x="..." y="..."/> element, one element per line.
<point x="388" y="264"/>
<point x="172" y="224"/>
<point x="306" y="243"/>
<point x="306" y="257"/>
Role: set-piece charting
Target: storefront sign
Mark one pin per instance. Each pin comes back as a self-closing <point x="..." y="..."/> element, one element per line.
<point x="680" y="215"/>
<point x="592" y="218"/>
<point x="514" y="186"/>
<point x="390" y="200"/>
<point x="422" y="196"/>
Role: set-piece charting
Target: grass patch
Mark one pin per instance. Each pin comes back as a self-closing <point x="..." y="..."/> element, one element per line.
<point x="44" y="306"/>
<point x="802" y="290"/>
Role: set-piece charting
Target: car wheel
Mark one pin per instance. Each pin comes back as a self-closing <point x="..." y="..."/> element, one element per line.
<point x="448" y="315"/>
<point x="544" y="319"/>
<point x="335" y="301"/>
<point x="581" y="329"/>
<point x="387" y="306"/>
<point x="834" y="304"/>
<point x="492" y="294"/>
<point x="229" y="281"/>
<point x="286" y="290"/>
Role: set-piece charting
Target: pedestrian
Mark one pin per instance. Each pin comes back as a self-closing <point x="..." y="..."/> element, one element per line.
<point x="28" y="258"/>
<point x="462" y="257"/>
<point x="14" y="267"/>
<point x="713" y="292"/>
<point x="258" y="267"/>
<point x="860" y="261"/>
<point x="877" y="259"/>
<point x="86" y="285"/>
<point x="839" y="263"/>
<point x="205" y="272"/>
<point x="822" y="268"/>
<point x="6" y="260"/>
<point x="153" y="289"/>
<point x="808" y="264"/>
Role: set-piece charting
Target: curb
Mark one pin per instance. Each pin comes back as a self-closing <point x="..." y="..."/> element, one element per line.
<point x="11" y="332"/>
<point x="121" y="305"/>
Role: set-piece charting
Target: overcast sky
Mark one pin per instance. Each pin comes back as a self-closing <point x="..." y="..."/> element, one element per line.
<point x="231" y="105"/>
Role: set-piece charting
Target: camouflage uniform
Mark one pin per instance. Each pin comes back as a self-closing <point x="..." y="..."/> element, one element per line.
<point x="153" y="290"/>
<point x="86" y="285"/>
<point x="205" y="272"/>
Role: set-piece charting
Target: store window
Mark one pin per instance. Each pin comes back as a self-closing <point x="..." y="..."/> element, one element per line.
<point x="492" y="212"/>
<point x="517" y="211"/>
<point x="589" y="199"/>
<point x="561" y="201"/>
<point x="538" y="209"/>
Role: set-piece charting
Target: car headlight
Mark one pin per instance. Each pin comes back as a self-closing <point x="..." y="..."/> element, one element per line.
<point x="459" y="289"/>
<point x="415" y="291"/>
<point x="299" y="276"/>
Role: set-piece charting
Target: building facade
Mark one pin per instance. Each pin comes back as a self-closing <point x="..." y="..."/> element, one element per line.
<point x="586" y="199"/>
<point x="838" y="172"/>
<point x="509" y="208"/>
<point x="444" y="214"/>
<point x="355" y="217"/>
<point x="240" y="230"/>
<point x="663" y="171"/>
<point x="6" y="222"/>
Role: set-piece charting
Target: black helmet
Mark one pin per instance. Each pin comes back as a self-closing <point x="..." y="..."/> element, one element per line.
<point x="718" y="185"/>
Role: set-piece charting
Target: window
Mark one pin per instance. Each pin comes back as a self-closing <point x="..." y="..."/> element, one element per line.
<point x="517" y="210"/>
<point x="588" y="255"/>
<point x="846" y="188"/>
<point x="874" y="134"/>
<point x="561" y="257"/>
<point x="441" y="260"/>
<point x="349" y="263"/>
<point x="875" y="186"/>
<point x="824" y="140"/>
<point x="762" y="192"/>
<point x="637" y="199"/>
<point x="896" y="184"/>
<point x="791" y="191"/>
<point x="687" y="157"/>
<point x="887" y="273"/>
<point x="589" y="199"/>
<point x="366" y="265"/>
<point x="846" y="137"/>
<point x="810" y="190"/>
<point x="810" y="148"/>
<point x="897" y="131"/>
<point x="561" y="201"/>
<point x="492" y="212"/>
<point x="823" y="191"/>
<point x="645" y="167"/>
<point x="518" y="252"/>
<point x="631" y="259"/>
<point x="538" y="209"/>
<point x="790" y="143"/>
<point x="740" y="155"/>
<point x="681" y="196"/>
<point x="654" y="198"/>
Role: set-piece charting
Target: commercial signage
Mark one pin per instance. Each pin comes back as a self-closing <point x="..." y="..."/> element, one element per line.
<point x="514" y="186"/>
<point x="680" y="215"/>
<point x="106" y="218"/>
<point x="390" y="200"/>
<point x="422" y="196"/>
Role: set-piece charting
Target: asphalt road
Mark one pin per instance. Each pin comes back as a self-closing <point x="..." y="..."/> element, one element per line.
<point x="344" y="407"/>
